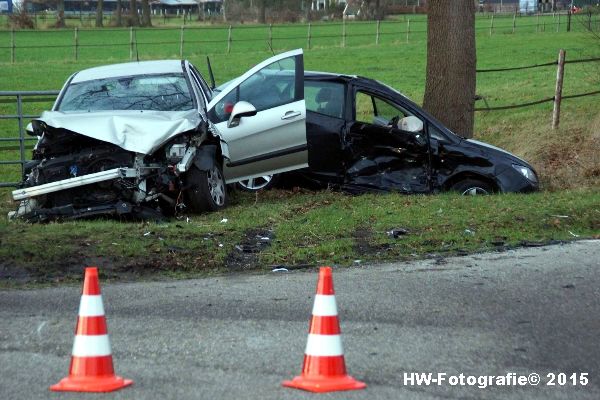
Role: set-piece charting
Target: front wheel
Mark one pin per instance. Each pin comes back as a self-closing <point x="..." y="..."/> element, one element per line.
<point x="472" y="187"/>
<point x="207" y="190"/>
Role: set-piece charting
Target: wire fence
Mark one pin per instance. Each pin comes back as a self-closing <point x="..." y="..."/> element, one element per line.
<point x="84" y="43"/>
<point x="557" y="97"/>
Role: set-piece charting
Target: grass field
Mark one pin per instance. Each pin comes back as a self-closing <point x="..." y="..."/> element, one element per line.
<point x="312" y="228"/>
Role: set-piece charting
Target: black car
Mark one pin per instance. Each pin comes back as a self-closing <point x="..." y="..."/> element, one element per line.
<point x="363" y="135"/>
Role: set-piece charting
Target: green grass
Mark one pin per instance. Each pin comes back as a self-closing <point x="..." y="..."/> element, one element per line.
<point x="318" y="228"/>
<point x="309" y="228"/>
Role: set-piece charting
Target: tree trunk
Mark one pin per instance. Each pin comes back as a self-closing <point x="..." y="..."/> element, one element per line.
<point x="60" y="14"/>
<point x="262" y="12"/>
<point x="118" y="13"/>
<point x="451" y="63"/>
<point x="134" y="18"/>
<point x="99" y="16"/>
<point x="146" y="17"/>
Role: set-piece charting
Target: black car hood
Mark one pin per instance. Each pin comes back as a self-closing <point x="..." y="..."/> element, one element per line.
<point x="496" y="151"/>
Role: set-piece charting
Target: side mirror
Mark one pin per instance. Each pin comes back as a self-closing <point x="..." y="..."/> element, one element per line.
<point x="241" y="109"/>
<point x="410" y="124"/>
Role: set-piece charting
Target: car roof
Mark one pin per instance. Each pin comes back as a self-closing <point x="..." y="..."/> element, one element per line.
<point x="319" y="74"/>
<point x="129" y="69"/>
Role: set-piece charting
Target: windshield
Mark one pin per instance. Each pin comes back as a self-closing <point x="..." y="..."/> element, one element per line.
<point x="164" y="92"/>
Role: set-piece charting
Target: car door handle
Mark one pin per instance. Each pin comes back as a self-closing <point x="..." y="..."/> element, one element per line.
<point x="291" y="114"/>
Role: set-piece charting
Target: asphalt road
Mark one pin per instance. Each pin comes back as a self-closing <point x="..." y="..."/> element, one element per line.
<point x="526" y="311"/>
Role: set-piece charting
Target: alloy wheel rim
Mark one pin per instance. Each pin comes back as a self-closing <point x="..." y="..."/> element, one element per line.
<point x="216" y="186"/>
<point x="256" y="183"/>
<point x="475" y="191"/>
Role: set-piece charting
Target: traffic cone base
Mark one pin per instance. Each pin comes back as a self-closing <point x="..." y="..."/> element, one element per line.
<point x="91" y="384"/>
<point x="325" y="384"/>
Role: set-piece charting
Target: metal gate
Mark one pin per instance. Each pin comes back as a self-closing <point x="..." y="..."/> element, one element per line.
<point x="21" y="138"/>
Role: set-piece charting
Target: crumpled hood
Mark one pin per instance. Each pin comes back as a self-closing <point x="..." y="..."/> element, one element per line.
<point x="136" y="131"/>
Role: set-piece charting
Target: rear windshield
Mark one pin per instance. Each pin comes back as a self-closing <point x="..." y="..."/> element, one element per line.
<point x="164" y="92"/>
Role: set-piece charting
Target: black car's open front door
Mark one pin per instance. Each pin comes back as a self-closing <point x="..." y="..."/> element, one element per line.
<point x="387" y="147"/>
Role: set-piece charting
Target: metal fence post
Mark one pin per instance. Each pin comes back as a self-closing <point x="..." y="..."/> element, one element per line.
<point x="131" y="42"/>
<point x="569" y="21"/>
<point x="492" y="25"/>
<point x="558" y="25"/>
<point x="12" y="45"/>
<point x="21" y="133"/>
<point x="537" y="22"/>
<point x="181" y="42"/>
<point x="76" y="42"/>
<point x="407" y="29"/>
<point x="560" y="73"/>
<point x="308" y="44"/>
<point x="377" y="32"/>
<point x="343" y="33"/>
<point x="229" y="40"/>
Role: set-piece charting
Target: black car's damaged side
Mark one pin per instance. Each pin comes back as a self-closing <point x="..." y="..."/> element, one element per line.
<point x="364" y="136"/>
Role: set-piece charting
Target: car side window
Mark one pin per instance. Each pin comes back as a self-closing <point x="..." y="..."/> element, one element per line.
<point x="270" y="87"/>
<point x="325" y="98"/>
<point x="375" y="110"/>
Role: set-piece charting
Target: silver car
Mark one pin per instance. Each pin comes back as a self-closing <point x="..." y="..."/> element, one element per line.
<point x="142" y="137"/>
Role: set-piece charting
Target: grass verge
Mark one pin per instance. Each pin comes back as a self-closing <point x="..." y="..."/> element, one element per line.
<point x="303" y="229"/>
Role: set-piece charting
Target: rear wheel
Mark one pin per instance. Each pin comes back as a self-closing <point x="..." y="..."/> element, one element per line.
<point x="207" y="191"/>
<point x="259" y="183"/>
<point x="472" y="187"/>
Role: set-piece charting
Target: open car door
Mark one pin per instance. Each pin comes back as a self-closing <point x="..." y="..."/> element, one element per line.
<point x="261" y="119"/>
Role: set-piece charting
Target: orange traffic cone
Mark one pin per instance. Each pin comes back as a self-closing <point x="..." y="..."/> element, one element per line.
<point x="91" y="367"/>
<point x="324" y="368"/>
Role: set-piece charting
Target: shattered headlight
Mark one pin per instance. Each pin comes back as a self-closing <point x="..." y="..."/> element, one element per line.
<point x="526" y="172"/>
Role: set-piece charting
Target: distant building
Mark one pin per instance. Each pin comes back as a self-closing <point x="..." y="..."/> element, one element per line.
<point x="6" y="6"/>
<point x="157" y="6"/>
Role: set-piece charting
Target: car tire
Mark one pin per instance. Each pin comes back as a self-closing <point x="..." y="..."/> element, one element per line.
<point x="207" y="189"/>
<point x="265" y="182"/>
<point x="472" y="187"/>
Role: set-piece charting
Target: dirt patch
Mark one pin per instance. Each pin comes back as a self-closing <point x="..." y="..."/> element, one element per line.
<point x="363" y="243"/>
<point x="244" y="255"/>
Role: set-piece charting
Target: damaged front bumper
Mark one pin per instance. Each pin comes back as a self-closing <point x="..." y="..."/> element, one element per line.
<point x="116" y="173"/>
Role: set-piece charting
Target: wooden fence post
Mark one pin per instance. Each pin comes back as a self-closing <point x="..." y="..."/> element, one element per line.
<point x="12" y="46"/>
<point x="407" y="30"/>
<point x="558" y="92"/>
<point x="76" y="42"/>
<point x="229" y="40"/>
<point x="308" y="44"/>
<point x="492" y="25"/>
<point x="131" y="42"/>
<point x="514" y="23"/>
<point x="270" y="35"/>
<point x="377" y="32"/>
<point x="181" y="41"/>
<point x="343" y="33"/>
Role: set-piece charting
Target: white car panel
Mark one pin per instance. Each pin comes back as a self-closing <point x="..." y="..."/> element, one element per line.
<point x="273" y="140"/>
